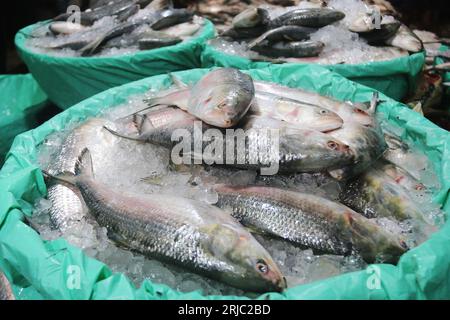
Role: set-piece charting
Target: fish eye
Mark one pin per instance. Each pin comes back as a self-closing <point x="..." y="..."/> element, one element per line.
<point x="358" y="110"/>
<point x="323" y="111"/>
<point x="262" y="267"/>
<point x="222" y="105"/>
<point x="403" y="244"/>
<point x="420" y="187"/>
<point x="332" y="145"/>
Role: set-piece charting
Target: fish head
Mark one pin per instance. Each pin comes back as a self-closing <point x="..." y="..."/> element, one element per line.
<point x="362" y="117"/>
<point x="249" y="265"/>
<point x="372" y="242"/>
<point x="222" y="106"/>
<point x="319" y="150"/>
<point x="326" y="120"/>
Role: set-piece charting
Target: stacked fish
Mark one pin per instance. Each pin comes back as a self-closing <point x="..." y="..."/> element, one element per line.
<point x="316" y="135"/>
<point x="132" y="24"/>
<point x="288" y="35"/>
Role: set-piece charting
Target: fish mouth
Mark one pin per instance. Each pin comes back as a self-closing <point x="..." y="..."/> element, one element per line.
<point x="329" y="123"/>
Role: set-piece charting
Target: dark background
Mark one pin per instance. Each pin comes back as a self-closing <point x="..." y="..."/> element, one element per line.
<point x="432" y="15"/>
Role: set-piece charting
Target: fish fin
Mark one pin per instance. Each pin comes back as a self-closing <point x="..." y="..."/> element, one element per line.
<point x="256" y="41"/>
<point x="66" y="178"/>
<point x="158" y="5"/>
<point x="92" y="47"/>
<point x="128" y="13"/>
<point x="83" y="165"/>
<point x="177" y="82"/>
<point x="121" y="135"/>
<point x="374" y="103"/>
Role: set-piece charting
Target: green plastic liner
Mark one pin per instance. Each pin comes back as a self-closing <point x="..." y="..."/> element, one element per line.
<point x="21" y="99"/>
<point x="395" y="78"/>
<point x="40" y="268"/>
<point x="68" y="80"/>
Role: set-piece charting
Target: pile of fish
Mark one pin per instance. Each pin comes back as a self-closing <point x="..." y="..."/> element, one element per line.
<point x="116" y="27"/>
<point x="318" y="137"/>
<point x="347" y="31"/>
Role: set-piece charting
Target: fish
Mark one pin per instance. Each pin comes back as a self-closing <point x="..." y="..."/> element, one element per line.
<point x="405" y="39"/>
<point x="66" y="205"/>
<point x="123" y="28"/>
<point x="363" y="23"/>
<point x="296" y="49"/>
<point x="185" y="232"/>
<point x="6" y="292"/>
<point x="251" y="17"/>
<point x="157" y="41"/>
<point x="303" y="115"/>
<point x="297" y="150"/>
<point x="383" y="191"/>
<point x="87" y="18"/>
<point x="346" y="111"/>
<point x="309" y="221"/>
<point x="185" y="29"/>
<point x="180" y="31"/>
<point x="171" y="17"/>
<point x="311" y="17"/>
<point x="220" y="98"/>
<point x="65" y="27"/>
<point x="243" y="33"/>
<point x="367" y="144"/>
<point x="283" y="33"/>
<point x="379" y="36"/>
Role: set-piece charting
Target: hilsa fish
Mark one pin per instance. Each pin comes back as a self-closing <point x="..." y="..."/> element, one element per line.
<point x="220" y="98"/>
<point x="188" y="233"/>
<point x="309" y="221"/>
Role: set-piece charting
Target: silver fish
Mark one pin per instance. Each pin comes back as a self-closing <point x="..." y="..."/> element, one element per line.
<point x="67" y="207"/>
<point x="346" y="111"/>
<point x="295" y="49"/>
<point x="304" y="115"/>
<point x="220" y="98"/>
<point x="405" y="39"/>
<point x="189" y="233"/>
<point x="298" y="150"/>
<point x="311" y="17"/>
<point x="383" y="191"/>
<point x="251" y="17"/>
<point x="310" y="221"/>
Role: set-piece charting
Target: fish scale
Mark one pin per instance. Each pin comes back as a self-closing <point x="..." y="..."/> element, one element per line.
<point x="275" y="216"/>
<point x="148" y="229"/>
<point x="310" y="221"/>
<point x="190" y="233"/>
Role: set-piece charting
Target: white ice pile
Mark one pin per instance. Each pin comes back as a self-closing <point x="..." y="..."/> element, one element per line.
<point x="341" y="45"/>
<point x="234" y="48"/>
<point x="144" y="168"/>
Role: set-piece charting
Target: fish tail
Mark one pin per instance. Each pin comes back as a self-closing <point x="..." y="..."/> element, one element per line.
<point x="256" y="41"/>
<point x="92" y="47"/>
<point x="374" y="103"/>
<point x="177" y="81"/>
<point x="66" y="178"/>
